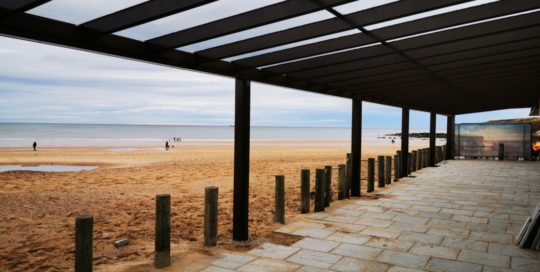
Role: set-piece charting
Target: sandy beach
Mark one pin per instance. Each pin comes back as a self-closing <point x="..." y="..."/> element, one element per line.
<point x="39" y="208"/>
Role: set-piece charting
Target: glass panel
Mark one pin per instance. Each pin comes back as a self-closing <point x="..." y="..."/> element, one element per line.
<point x="258" y="31"/>
<point x="429" y="14"/>
<point x="78" y="12"/>
<point x="193" y="17"/>
<point x="361" y="5"/>
<point x="464" y="25"/>
<point x="325" y="54"/>
<point x="291" y="45"/>
<point x="482" y="140"/>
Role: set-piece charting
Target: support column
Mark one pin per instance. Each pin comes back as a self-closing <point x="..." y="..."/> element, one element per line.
<point x="241" y="160"/>
<point x="356" y="146"/>
<point x="432" y="128"/>
<point x="404" y="142"/>
<point x="450" y="126"/>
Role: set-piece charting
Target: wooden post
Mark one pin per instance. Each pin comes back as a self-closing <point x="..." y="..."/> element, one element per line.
<point x="426" y="156"/>
<point x="388" y="168"/>
<point x="380" y="171"/>
<point x="371" y="175"/>
<point x="342" y="181"/>
<point x="396" y="168"/>
<point x="443" y="153"/>
<point x="398" y="153"/>
<point x="419" y="159"/>
<point x="162" y="246"/>
<point x="409" y="170"/>
<point x="280" y="199"/>
<point x="84" y="225"/>
<point x="319" y="190"/>
<point x="501" y="152"/>
<point x="210" y="215"/>
<point x="414" y="160"/>
<point x="304" y="191"/>
<point x="328" y="185"/>
<point x="349" y="175"/>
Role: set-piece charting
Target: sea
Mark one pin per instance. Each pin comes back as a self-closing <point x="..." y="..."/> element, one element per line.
<point x="108" y="135"/>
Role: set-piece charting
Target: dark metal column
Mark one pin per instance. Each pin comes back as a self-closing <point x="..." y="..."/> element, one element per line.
<point x="450" y="125"/>
<point x="356" y="146"/>
<point x="241" y="160"/>
<point x="404" y="141"/>
<point x="432" y="128"/>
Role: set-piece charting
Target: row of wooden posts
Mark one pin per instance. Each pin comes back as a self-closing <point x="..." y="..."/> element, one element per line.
<point x="418" y="159"/>
<point x="162" y="245"/>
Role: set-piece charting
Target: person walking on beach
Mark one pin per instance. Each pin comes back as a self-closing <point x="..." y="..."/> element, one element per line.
<point x="166" y="145"/>
<point x="34" y="145"/>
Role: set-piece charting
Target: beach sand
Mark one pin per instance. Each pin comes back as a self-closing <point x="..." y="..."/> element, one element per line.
<point x="38" y="209"/>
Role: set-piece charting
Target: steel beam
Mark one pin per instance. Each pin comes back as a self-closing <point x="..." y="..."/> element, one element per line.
<point x="251" y="19"/>
<point x="141" y="13"/>
<point x="404" y="141"/>
<point x="432" y="137"/>
<point x="450" y="125"/>
<point x="241" y="160"/>
<point x="356" y="146"/>
<point x="391" y="32"/>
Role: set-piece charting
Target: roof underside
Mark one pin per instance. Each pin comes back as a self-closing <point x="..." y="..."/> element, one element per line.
<point x="454" y="61"/>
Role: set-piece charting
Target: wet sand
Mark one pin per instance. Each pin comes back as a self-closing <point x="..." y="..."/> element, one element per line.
<point x="39" y="209"/>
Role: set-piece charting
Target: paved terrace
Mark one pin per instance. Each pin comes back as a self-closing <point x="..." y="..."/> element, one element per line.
<point x="461" y="216"/>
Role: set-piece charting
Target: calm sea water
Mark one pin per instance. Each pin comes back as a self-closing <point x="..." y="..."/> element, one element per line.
<point x="83" y="135"/>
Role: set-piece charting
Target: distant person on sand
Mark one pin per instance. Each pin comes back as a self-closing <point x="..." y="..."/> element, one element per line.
<point x="393" y="141"/>
<point x="34" y="145"/>
<point x="166" y="145"/>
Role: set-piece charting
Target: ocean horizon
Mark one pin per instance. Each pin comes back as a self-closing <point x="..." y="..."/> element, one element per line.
<point x="14" y="135"/>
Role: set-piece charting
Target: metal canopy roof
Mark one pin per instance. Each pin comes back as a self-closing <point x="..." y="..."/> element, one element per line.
<point x="479" y="58"/>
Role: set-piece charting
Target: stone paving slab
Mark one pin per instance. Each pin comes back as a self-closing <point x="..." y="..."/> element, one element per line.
<point x="314" y="258"/>
<point x="461" y="216"/>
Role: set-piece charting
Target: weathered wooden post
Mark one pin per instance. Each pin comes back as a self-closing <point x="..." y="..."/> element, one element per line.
<point x="409" y="170"/>
<point x="398" y="153"/>
<point x="388" y="169"/>
<point x="342" y="181"/>
<point x="319" y="190"/>
<point x="419" y="159"/>
<point x="349" y="175"/>
<point x="427" y="156"/>
<point x="280" y="199"/>
<point x="396" y="168"/>
<point x="84" y="225"/>
<point x="210" y="215"/>
<point x="380" y="171"/>
<point x="304" y="191"/>
<point x="162" y="246"/>
<point x="371" y="175"/>
<point x="501" y="152"/>
<point x="414" y="160"/>
<point x="328" y="185"/>
<point x="443" y="153"/>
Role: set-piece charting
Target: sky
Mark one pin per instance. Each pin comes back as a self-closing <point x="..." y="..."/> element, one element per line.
<point x="47" y="84"/>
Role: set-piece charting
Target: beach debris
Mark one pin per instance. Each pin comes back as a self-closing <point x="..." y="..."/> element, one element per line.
<point x="103" y="236"/>
<point x="529" y="235"/>
<point x="121" y="243"/>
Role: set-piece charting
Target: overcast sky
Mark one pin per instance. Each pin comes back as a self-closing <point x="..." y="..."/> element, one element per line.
<point x="47" y="84"/>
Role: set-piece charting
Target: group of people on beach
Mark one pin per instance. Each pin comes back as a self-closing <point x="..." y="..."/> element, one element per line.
<point x="175" y="139"/>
